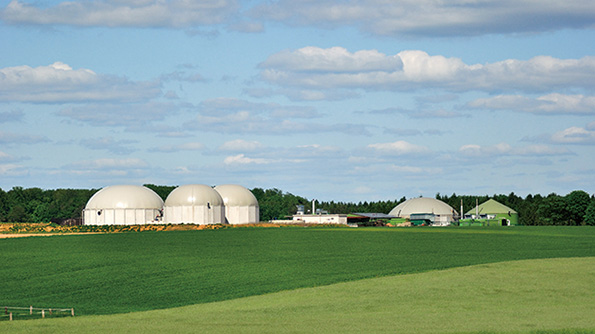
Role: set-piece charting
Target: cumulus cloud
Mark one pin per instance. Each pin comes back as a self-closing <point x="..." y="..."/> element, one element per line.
<point x="551" y="104"/>
<point x="122" y="13"/>
<point x="504" y="149"/>
<point x="400" y="147"/>
<point x="575" y="135"/>
<point x="241" y="159"/>
<point x="433" y="18"/>
<point x="303" y="69"/>
<point x="59" y="82"/>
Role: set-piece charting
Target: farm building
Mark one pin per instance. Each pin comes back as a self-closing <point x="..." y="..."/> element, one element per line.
<point x="241" y="207"/>
<point x="123" y="205"/>
<point x="320" y="219"/>
<point x="194" y="204"/>
<point x="492" y="212"/>
<point x="433" y="211"/>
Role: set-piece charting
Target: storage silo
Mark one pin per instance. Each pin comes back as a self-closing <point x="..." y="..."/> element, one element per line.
<point x="194" y="204"/>
<point x="425" y="208"/>
<point x="123" y="205"/>
<point x="241" y="206"/>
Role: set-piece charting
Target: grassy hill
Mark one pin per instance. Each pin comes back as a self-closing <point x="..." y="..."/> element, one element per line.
<point x="126" y="272"/>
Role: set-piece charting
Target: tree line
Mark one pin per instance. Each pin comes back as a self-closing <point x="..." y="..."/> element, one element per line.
<point x="37" y="205"/>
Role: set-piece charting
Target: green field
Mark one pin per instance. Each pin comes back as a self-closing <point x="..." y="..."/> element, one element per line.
<point x="119" y="273"/>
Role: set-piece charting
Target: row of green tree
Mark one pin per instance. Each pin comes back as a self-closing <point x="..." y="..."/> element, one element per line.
<point x="38" y="205"/>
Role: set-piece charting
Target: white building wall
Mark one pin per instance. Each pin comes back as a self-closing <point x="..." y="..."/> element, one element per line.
<point x="321" y="219"/>
<point x="197" y="214"/>
<point x="242" y="214"/>
<point x="120" y="216"/>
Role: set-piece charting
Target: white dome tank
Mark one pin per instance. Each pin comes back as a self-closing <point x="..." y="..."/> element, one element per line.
<point x="194" y="204"/>
<point x="241" y="206"/>
<point x="123" y="205"/>
<point x="444" y="213"/>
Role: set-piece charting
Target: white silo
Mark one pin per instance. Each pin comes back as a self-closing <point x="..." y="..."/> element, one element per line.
<point x="123" y="205"/>
<point x="241" y="206"/>
<point x="194" y="204"/>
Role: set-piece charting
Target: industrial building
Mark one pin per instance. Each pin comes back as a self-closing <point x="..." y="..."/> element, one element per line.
<point x="490" y="213"/>
<point x="426" y="210"/>
<point x="123" y="205"/>
<point x="191" y="204"/>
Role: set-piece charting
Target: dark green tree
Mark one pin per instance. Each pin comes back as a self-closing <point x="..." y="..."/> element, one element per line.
<point x="590" y="213"/>
<point x="577" y="203"/>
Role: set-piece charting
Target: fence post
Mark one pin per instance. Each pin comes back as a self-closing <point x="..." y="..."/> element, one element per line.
<point x="43" y="313"/>
<point x="50" y="311"/>
<point x="10" y="316"/>
<point x="72" y="311"/>
<point x="30" y="310"/>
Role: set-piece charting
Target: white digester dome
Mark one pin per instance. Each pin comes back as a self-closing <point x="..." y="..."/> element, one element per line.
<point x="443" y="212"/>
<point x="123" y="205"/>
<point x="241" y="206"/>
<point x="194" y="204"/>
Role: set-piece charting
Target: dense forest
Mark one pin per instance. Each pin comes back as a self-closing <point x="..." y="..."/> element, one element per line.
<point x="37" y="205"/>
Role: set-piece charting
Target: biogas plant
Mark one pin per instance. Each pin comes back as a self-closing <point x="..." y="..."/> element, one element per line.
<point x="190" y="204"/>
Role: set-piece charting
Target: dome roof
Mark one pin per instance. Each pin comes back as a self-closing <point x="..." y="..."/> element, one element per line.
<point x="125" y="197"/>
<point x="236" y="195"/>
<point x="193" y="194"/>
<point x="422" y="205"/>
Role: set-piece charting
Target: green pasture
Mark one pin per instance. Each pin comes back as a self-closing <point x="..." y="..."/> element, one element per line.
<point x="554" y="296"/>
<point x="127" y="272"/>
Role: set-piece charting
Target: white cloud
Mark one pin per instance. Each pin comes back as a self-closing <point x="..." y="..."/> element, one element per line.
<point x="334" y="59"/>
<point x="421" y="71"/>
<point x="238" y="145"/>
<point x="13" y="170"/>
<point x="551" y="104"/>
<point x="400" y="147"/>
<point x="241" y="159"/>
<point x="575" y="135"/>
<point x="122" y="13"/>
<point x="433" y="18"/>
<point x="504" y="149"/>
<point x="58" y="82"/>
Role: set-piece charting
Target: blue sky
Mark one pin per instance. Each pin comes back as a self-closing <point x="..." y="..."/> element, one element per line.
<point x="334" y="100"/>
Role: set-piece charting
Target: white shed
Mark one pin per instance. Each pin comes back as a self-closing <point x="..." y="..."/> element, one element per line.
<point x="194" y="204"/>
<point x="123" y="205"/>
<point x="241" y="206"/>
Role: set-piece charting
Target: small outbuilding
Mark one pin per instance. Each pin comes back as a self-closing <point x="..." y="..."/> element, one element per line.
<point x="241" y="206"/>
<point x="434" y="210"/>
<point x="123" y="205"/>
<point x="494" y="212"/>
<point x="194" y="204"/>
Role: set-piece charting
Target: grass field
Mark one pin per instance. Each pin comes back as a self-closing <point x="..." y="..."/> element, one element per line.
<point x="118" y="273"/>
